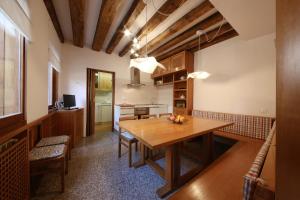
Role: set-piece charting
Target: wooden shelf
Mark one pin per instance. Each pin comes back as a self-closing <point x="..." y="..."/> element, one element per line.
<point x="170" y="83"/>
<point x="176" y="99"/>
<point x="179" y="81"/>
<point x="178" y="90"/>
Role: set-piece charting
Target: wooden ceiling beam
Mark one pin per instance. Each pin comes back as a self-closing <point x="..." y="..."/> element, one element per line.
<point x="136" y="8"/>
<point x="184" y="21"/>
<point x="203" y="25"/>
<point x="108" y="12"/>
<point x="194" y="43"/>
<point x="168" y="7"/>
<point x="52" y="13"/>
<point x="77" y="12"/>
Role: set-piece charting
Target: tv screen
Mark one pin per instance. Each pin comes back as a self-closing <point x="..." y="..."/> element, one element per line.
<point x="69" y="101"/>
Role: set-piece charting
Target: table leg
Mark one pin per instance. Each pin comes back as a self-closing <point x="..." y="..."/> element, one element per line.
<point x="208" y="148"/>
<point x="172" y="171"/>
<point x="141" y="162"/>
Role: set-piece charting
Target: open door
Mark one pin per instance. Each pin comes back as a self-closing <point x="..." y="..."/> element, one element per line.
<point x="90" y="125"/>
<point x="101" y="84"/>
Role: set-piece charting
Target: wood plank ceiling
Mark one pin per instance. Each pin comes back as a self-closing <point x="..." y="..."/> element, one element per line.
<point x="167" y="34"/>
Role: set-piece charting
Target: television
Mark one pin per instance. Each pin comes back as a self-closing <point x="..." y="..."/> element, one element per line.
<point x="69" y="101"/>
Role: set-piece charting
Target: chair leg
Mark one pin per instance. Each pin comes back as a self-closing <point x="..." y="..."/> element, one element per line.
<point x="63" y="176"/>
<point x="129" y="154"/>
<point x="69" y="150"/>
<point x="119" y="148"/>
<point x="136" y="146"/>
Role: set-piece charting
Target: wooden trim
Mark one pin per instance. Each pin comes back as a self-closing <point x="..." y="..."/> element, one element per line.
<point x="90" y="122"/>
<point x="52" y="13"/>
<point x="109" y="9"/>
<point x="77" y="11"/>
<point x="136" y="8"/>
<point x="184" y="21"/>
<point x="203" y="25"/>
<point x="168" y="7"/>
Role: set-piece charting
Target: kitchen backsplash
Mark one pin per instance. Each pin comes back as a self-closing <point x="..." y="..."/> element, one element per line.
<point x="103" y="97"/>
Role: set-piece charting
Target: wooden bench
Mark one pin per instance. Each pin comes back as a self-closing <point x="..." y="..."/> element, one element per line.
<point x="223" y="178"/>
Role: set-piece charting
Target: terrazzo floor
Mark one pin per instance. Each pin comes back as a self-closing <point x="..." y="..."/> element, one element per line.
<point x="96" y="172"/>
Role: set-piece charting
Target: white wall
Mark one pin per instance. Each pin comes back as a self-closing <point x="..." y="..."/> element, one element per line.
<point x="43" y="36"/>
<point x="165" y="96"/>
<point x="243" y="77"/>
<point x="75" y="62"/>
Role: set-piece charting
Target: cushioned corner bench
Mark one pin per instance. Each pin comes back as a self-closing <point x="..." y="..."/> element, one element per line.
<point x="223" y="179"/>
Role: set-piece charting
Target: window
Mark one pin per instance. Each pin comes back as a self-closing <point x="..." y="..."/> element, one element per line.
<point x="52" y="86"/>
<point x="12" y="91"/>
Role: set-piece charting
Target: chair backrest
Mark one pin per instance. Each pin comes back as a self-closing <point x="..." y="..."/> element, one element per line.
<point x="164" y="115"/>
<point x="148" y="116"/>
<point x="128" y="118"/>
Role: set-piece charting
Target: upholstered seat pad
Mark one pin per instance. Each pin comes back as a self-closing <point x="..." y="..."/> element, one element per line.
<point x="127" y="135"/>
<point x="62" y="139"/>
<point x="46" y="152"/>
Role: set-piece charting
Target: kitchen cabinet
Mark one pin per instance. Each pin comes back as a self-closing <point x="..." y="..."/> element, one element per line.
<point x="156" y="110"/>
<point x="178" y="62"/>
<point x="103" y="113"/>
<point x="103" y="81"/>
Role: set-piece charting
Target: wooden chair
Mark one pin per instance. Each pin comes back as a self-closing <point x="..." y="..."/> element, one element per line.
<point x="164" y="115"/>
<point x="54" y="140"/>
<point x="127" y="140"/>
<point x="49" y="159"/>
<point x="148" y="116"/>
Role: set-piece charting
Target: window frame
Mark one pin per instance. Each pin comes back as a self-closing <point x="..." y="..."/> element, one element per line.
<point x="12" y="122"/>
<point x="54" y="86"/>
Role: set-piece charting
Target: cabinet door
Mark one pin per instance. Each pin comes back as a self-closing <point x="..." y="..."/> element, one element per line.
<point x="178" y="62"/>
<point x="105" y="81"/>
<point x="167" y="64"/>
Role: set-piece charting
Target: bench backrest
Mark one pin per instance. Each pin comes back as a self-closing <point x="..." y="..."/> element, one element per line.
<point x="244" y="125"/>
<point x="251" y="178"/>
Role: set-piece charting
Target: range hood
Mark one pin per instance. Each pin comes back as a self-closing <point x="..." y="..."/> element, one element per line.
<point x="135" y="80"/>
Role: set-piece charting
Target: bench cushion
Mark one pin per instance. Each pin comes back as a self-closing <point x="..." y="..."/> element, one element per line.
<point x="251" y="178"/>
<point x="47" y="141"/>
<point x="46" y="152"/>
<point x="245" y="125"/>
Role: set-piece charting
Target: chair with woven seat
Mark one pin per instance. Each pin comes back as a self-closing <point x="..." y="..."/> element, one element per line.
<point x="126" y="139"/>
<point x="49" y="159"/>
<point x="54" y="140"/>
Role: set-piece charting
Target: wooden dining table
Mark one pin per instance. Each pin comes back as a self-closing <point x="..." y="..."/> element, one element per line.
<point x="162" y="133"/>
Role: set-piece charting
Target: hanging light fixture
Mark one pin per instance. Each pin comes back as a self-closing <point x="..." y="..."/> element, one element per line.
<point x="145" y="64"/>
<point x="199" y="74"/>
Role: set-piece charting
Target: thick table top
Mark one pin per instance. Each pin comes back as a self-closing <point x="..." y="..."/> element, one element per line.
<point x="159" y="132"/>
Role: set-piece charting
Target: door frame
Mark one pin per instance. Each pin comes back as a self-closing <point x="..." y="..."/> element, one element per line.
<point x="90" y="104"/>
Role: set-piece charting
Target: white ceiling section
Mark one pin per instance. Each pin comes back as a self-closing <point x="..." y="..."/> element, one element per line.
<point x="140" y="22"/>
<point x="63" y="14"/>
<point x="250" y="18"/>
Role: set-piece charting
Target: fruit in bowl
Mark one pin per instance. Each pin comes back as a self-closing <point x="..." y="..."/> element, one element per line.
<point x="178" y="119"/>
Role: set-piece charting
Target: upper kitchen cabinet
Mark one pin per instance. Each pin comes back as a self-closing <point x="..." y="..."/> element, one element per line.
<point x="181" y="61"/>
<point x="103" y="81"/>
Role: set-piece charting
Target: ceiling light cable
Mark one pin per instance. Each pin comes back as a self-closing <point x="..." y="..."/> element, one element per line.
<point x="217" y="33"/>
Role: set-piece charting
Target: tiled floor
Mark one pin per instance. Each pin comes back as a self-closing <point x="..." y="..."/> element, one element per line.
<point x="96" y="172"/>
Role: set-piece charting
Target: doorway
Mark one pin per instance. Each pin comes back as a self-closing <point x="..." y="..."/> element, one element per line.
<point x="100" y="101"/>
